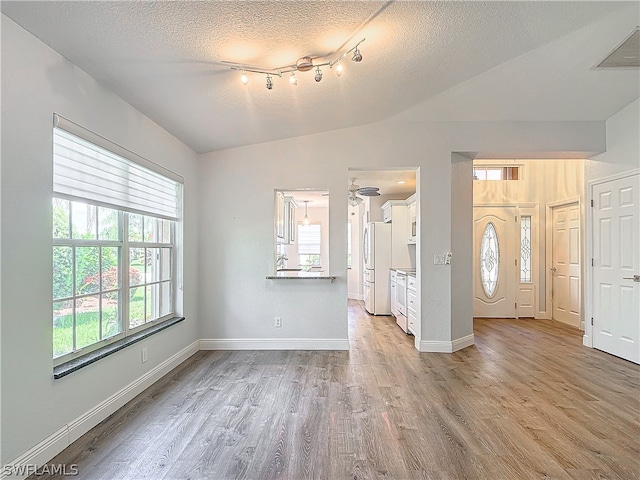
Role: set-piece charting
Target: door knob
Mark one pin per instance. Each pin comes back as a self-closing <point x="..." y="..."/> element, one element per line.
<point x="635" y="278"/>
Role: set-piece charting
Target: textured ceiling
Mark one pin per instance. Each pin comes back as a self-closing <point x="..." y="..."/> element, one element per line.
<point x="167" y="59"/>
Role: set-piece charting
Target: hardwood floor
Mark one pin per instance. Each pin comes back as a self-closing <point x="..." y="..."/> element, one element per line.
<point x="527" y="401"/>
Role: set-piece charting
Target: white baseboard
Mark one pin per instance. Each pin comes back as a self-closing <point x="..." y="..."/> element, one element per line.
<point x="274" y="344"/>
<point x="447" y="347"/>
<point x="62" y="438"/>
<point x="355" y="296"/>
<point x="38" y="455"/>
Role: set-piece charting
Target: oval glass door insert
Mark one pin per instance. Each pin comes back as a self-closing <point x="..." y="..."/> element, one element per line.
<point x="489" y="260"/>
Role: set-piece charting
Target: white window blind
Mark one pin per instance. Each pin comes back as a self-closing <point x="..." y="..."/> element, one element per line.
<point x="309" y="237"/>
<point x="90" y="168"/>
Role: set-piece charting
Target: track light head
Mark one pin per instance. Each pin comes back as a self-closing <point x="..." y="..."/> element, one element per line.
<point x="269" y="82"/>
<point x="243" y="78"/>
<point x="292" y="79"/>
<point x="357" y="56"/>
<point x="318" y="76"/>
<point x="339" y="70"/>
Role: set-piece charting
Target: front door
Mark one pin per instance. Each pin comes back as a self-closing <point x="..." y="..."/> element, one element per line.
<point x="566" y="285"/>
<point x="494" y="262"/>
<point x="616" y="267"/>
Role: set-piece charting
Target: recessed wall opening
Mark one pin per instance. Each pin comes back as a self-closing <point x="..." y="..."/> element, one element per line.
<point x="383" y="233"/>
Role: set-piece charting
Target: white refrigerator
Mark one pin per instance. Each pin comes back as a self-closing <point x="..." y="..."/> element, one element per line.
<point x="376" y="250"/>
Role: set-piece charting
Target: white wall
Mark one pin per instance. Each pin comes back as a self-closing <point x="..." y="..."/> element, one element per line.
<point x="239" y="236"/>
<point x="36" y="82"/>
<point x="623" y="145"/>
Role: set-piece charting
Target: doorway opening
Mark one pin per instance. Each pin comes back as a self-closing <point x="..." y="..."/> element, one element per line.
<point x="513" y="253"/>
<point x="383" y="222"/>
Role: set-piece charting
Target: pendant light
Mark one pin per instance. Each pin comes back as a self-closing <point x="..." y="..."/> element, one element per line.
<point x="305" y="220"/>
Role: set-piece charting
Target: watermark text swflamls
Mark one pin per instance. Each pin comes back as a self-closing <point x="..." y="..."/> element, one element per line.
<point x="27" y="469"/>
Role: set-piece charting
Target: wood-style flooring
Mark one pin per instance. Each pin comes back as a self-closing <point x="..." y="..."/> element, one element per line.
<point x="526" y="401"/>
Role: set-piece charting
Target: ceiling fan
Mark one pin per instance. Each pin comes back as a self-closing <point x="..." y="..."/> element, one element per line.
<point x="355" y="190"/>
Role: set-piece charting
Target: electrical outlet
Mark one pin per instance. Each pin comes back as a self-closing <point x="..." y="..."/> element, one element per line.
<point x="278" y="321"/>
<point x="447" y="259"/>
<point x="143" y="355"/>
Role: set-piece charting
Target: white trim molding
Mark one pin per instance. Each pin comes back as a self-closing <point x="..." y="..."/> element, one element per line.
<point x="274" y="344"/>
<point x="445" y="346"/>
<point x="48" y="448"/>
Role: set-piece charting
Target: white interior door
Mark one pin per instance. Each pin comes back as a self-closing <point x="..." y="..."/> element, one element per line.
<point x="566" y="285"/>
<point x="616" y="267"/>
<point x="494" y="262"/>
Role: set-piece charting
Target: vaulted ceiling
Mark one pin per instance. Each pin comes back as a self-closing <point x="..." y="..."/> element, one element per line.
<point x="421" y="60"/>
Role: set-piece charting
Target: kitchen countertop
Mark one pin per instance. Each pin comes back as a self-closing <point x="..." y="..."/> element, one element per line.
<point x="295" y="275"/>
<point x="407" y="271"/>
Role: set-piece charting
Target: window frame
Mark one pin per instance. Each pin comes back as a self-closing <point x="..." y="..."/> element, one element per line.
<point x="301" y="226"/>
<point x="90" y="169"/>
<point x="506" y="172"/>
<point x="125" y="245"/>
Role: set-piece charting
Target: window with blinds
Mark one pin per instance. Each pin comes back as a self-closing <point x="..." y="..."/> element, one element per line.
<point x="114" y="242"/>
<point x="309" y="245"/>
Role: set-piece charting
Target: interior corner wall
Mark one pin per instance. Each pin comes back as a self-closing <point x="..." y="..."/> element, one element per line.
<point x="461" y="244"/>
<point x="623" y="145"/>
<point x="36" y="82"/>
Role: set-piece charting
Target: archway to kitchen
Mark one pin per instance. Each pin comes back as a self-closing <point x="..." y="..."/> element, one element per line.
<point x="383" y="222"/>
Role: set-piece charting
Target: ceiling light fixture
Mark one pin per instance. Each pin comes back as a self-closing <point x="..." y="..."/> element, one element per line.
<point x="357" y="56"/>
<point x="305" y="220"/>
<point x="401" y="182"/>
<point x="303" y="64"/>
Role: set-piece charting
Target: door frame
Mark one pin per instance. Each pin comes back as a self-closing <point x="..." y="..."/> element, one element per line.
<point x="549" y="256"/>
<point x="587" y="338"/>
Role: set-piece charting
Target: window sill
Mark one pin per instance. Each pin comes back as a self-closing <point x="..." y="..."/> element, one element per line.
<point x="71" y="366"/>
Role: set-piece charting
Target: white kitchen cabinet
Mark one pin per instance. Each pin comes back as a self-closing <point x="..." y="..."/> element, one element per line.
<point x="413" y="305"/>
<point x="393" y="210"/>
<point x="392" y="295"/>
<point x="412" y="224"/>
<point x="290" y="206"/>
<point x="280" y="220"/>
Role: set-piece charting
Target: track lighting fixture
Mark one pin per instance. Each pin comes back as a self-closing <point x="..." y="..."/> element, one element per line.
<point x="303" y="64"/>
<point x="357" y="56"/>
